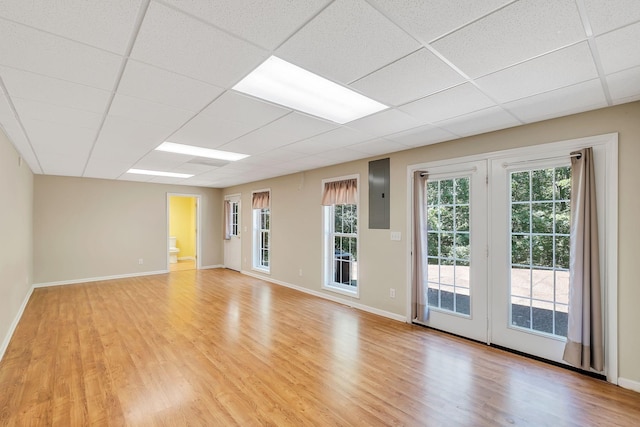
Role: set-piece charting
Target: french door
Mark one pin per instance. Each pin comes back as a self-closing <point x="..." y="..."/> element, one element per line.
<point x="530" y="227"/>
<point x="498" y="252"/>
<point x="456" y="205"/>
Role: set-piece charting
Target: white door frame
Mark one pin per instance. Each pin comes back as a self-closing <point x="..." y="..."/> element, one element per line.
<point x="608" y="147"/>
<point x="474" y="325"/>
<point x="198" y="239"/>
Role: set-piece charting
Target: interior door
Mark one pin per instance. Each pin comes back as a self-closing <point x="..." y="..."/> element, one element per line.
<point x="456" y="199"/>
<point x="530" y="255"/>
<point x="232" y="246"/>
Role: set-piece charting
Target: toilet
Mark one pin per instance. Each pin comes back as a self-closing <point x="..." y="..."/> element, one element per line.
<point x="173" y="251"/>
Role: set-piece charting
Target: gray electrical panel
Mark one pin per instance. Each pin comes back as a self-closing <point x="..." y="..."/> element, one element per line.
<point x="379" y="197"/>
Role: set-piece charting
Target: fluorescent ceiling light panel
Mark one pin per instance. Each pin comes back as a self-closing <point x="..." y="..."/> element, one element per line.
<point x="286" y="84"/>
<point x="192" y="150"/>
<point x="159" y="173"/>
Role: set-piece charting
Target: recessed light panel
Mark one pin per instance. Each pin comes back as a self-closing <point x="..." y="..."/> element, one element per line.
<point x="192" y="150"/>
<point x="159" y="173"/>
<point x="281" y="82"/>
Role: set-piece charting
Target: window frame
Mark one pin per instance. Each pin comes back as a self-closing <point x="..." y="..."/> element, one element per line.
<point x="258" y="232"/>
<point x="328" y="249"/>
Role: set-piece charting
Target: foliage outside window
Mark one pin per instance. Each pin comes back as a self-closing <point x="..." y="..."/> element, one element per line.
<point x="540" y="228"/>
<point x="448" y="233"/>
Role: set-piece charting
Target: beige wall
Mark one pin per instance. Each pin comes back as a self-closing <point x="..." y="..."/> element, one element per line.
<point x="16" y="230"/>
<point x="296" y="216"/>
<point x="86" y="228"/>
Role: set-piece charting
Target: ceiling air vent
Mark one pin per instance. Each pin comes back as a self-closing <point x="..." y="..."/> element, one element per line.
<point x="209" y="162"/>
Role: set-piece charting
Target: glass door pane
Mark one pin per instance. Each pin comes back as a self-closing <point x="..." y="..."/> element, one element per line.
<point x="448" y="240"/>
<point x="540" y="219"/>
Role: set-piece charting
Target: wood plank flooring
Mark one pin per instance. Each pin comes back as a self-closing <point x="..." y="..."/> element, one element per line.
<point x="216" y="348"/>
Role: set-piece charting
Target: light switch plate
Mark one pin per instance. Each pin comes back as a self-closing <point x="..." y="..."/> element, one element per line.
<point x="396" y="235"/>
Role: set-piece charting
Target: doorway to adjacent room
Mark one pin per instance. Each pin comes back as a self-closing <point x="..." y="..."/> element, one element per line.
<point x="183" y="240"/>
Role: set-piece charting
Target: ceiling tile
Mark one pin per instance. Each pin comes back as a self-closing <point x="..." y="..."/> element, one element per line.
<point x="561" y="68"/>
<point x="193" y="168"/>
<point x="167" y="180"/>
<point x="346" y="41"/>
<point x="144" y="111"/>
<point x="9" y="124"/>
<point x="423" y="135"/>
<point x="378" y="146"/>
<point x="5" y="108"/>
<point x="265" y="23"/>
<point x="290" y="128"/>
<point x="385" y="122"/>
<point x="161" y="160"/>
<point x="105" y="24"/>
<point x="408" y="79"/>
<point x="624" y="86"/>
<point x="478" y="122"/>
<point x="340" y="137"/>
<point x="36" y="87"/>
<point x="164" y="87"/>
<point x="54" y="142"/>
<point x="614" y="49"/>
<point x="116" y="136"/>
<point x="27" y="49"/>
<point x="310" y="162"/>
<point x="122" y="176"/>
<point x="447" y="104"/>
<point x="174" y="41"/>
<point x="229" y="117"/>
<point x="63" y="164"/>
<point x="429" y="19"/>
<point x="57" y="114"/>
<point x="342" y="155"/>
<point x="569" y="100"/>
<point x="606" y="15"/>
<point x="518" y="32"/>
<point x="275" y="157"/>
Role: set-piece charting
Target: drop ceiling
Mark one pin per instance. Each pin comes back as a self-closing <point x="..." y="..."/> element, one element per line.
<point x="91" y="88"/>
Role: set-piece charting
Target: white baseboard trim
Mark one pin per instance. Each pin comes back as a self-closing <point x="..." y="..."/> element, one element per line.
<point x="207" y="267"/>
<point x="630" y="384"/>
<point x="349" y="303"/>
<point x="14" y="324"/>
<point x="98" y="279"/>
<point x="186" y="258"/>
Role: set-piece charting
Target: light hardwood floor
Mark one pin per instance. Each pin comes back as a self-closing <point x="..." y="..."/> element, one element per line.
<point x="216" y="348"/>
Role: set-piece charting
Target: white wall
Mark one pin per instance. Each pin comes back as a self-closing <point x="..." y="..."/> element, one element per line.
<point x="16" y="232"/>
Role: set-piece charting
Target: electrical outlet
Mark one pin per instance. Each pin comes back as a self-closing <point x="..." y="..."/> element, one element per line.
<point x="300" y="272"/>
<point x="140" y="261"/>
<point x="392" y="292"/>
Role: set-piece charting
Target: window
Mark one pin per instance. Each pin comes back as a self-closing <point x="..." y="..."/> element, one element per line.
<point x="540" y="226"/>
<point x="234" y="218"/>
<point x="261" y="204"/>
<point x="341" y="235"/>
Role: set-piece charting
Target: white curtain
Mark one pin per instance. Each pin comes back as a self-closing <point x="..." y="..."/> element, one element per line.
<point x="227" y="220"/>
<point x="340" y="192"/>
<point x="260" y="200"/>
<point x="585" y="342"/>
<point x="419" y="276"/>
